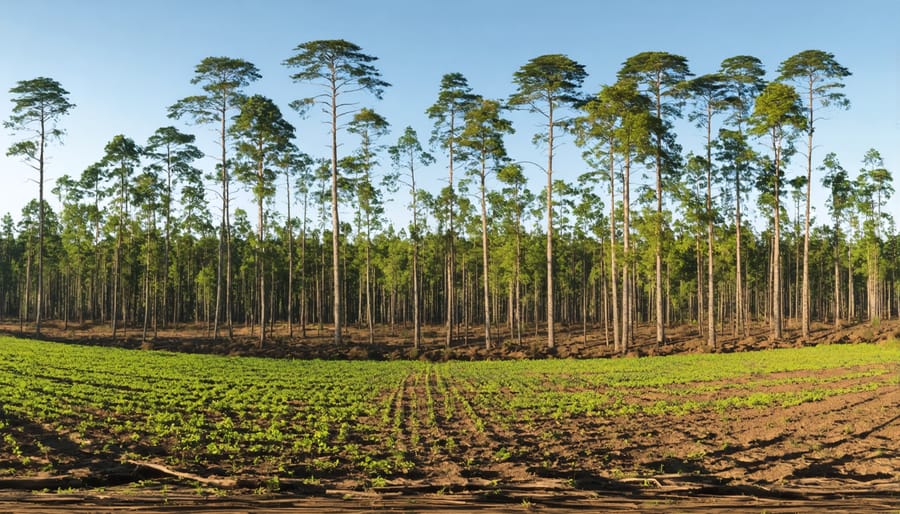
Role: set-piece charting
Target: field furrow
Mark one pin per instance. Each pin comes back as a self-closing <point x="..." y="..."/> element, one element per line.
<point x="764" y="419"/>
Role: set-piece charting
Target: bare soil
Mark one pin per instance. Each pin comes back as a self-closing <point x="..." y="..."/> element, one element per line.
<point x="840" y="454"/>
<point x="572" y="341"/>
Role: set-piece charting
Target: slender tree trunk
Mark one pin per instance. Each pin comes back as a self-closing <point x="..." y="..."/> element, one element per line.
<point x="851" y="300"/>
<point x="627" y="293"/>
<point x="484" y="257"/>
<point x="550" y="329"/>
<point x="320" y="285"/>
<point x="23" y="313"/>
<point x="794" y="307"/>
<point x="804" y="301"/>
<point x="740" y="320"/>
<point x="289" y="232"/>
<point x="219" y="267"/>
<point x="417" y="317"/>
<point x="584" y="296"/>
<point x="417" y="322"/>
<point x="776" y="258"/>
<point x="465" y="303"/>
<point x="710" y="281"/>
<point x="612" y="247"/>
<point x="451" y="239"/>
<point x="369" y="321"/>
<point x="118" y="264"/>
<point x="335" y="221"/>
<point x="260" y="252"/>
<point x="369" y="315"/>
<point x="146" y="289"/>
<point x="804" y="293"/>
<point x="303" y="281"/>
<point x="115" y="293"/>
<point x="660" y="325"/>
<point x="700" y="298"/>
<point x="517" y="270"/>
<point x="837" y="280"/>
<point x="166" y="242"/>
<point x="38" y="311"/>
<point x="223" y="292"/>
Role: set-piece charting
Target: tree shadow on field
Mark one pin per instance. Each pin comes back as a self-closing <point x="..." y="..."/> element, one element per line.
<point x="832" y="469"/>
<point x="48" y="459"/>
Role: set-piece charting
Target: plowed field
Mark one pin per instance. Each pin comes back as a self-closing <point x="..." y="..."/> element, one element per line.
<point x="93" y="428"/>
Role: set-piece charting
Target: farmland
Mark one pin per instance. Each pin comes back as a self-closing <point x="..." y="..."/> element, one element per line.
<point x="817" y="420"/>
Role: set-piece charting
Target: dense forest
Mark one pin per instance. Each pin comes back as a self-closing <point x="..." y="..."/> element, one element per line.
<point x="146" y="239"/>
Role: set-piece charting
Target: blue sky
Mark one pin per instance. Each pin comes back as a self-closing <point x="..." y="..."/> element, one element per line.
<point x="124" y="63"/>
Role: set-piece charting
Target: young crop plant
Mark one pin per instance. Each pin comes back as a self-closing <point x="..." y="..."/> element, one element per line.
<point x="266" y="418"/>
<point x="429" y="398"/>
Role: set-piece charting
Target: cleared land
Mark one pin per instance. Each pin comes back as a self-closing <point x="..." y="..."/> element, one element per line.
<point x="794" y="429"/>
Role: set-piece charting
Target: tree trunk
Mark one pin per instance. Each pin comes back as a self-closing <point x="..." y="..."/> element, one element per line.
<point x="700" y="300"/>
<point x="739" y="308"/>
<point x="260" y="256"/>
<point x="146" y="290"/>
<point x="117" y="268"/>
<point x="303" y="281"/>
<point x="417" y="323"/>
<point x="370" y="324"/>
<point x="517" y="270"/>
<point x="484" y="257"/>
<point x="612" y="247"/>
<point x="23" y="313"/>
<point x="804" y="294"/>
<point x="626" y="244"/>
<point x="837" y="281"/>
<point x="776" y="258"/>
<point x="550" y="329"/>
<point x="335" y="221"/>
<point x="417" y="320"/>
<point x="40" y="271"/>
<point x="451" y="255"/>
<point x="166" y="242"/>
<point x="290" y="244"/>
<point x="710" y="281"/>
<point x="660" y="326"/>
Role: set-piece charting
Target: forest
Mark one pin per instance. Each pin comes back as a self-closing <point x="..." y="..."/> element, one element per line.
<point x="145" y="239"/>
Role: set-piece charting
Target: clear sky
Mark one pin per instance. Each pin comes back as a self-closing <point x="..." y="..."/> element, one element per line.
<point x="125" y="62"/>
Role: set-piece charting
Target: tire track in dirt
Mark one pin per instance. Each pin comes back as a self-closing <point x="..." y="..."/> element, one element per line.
<point x="738" y="445"/>
<point x="773" y="445"/>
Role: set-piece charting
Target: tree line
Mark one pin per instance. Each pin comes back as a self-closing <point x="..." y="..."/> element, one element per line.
<point x="145" y="239"/>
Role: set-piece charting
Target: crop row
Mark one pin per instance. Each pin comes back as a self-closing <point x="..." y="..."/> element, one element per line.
<point x="303" y="418"/>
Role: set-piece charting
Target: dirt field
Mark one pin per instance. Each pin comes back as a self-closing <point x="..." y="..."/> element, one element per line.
<point x="840" y="453"/>
<point x="571" y="341"/>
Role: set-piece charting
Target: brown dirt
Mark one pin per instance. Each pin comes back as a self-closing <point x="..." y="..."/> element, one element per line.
<point x="840" y="454"/>
<point x="572" y="340"/>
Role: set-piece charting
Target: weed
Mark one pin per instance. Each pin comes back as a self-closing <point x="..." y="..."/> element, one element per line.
<point x="502" y="455"/>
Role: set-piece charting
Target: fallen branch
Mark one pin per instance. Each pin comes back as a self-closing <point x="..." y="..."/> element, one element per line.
<point x="646" y="482"/>
<point x="222" y="483"/>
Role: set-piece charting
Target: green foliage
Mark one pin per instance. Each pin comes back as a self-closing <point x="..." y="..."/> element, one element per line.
<point x="455" y="98"/>
<point x="327" y="59"/>
<point x="38" y="104"/>
<point x="744" y="79"/>
<point x="818" y="74"/>
<point x="222" y="79"/>
<point x="777" y="110"/>
<point x="547" y="81"/>
<point x="262" y="135"/>
<point x="312" y="417"/>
